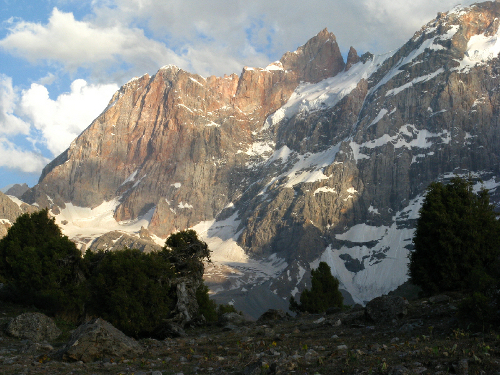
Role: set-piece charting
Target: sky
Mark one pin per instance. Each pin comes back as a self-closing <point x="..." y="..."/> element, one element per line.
<point x="62" y="60"/>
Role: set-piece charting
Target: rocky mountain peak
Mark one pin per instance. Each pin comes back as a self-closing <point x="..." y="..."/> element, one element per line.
<point x="352" y="58"/>
<point x="316" y="60"/>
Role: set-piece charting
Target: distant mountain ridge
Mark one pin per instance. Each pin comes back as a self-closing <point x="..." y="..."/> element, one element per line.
<point x="309" y="159"/>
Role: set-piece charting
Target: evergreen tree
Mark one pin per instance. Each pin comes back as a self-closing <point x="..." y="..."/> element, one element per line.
<point x="324" y="292"/>
<point x="40" y="266"/>
<point x="457" y="236"/>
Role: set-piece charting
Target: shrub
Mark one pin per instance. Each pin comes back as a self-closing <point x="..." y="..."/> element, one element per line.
<point x="41" y="267"/>
<point x="207" y="307"/>
<point x="130" y="289"/>
<point x="324" y="292"/>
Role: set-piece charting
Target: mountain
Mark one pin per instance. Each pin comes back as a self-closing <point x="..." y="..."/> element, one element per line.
<point x="309" y="159"/>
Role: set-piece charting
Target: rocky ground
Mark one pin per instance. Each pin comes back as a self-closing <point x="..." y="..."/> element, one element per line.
<point x="428" y="339"/>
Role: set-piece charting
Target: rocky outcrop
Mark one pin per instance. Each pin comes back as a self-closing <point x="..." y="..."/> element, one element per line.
<point x="386" y="308"/>
<point x="97" y="339"/>
<point x="33" y="326"/>
<point x="118" y="240"/>
<point x="316" y="60"/>
<point x="17" y="190"/>
<point x="352" y="58"/>
<point x="10" y="211"/>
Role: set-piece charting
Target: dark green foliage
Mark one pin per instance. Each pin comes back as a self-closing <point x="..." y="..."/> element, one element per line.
<point x="324" y="292"/>
<point x="130" y="289"/>
<point x="186" y="252"/>
<point x="457" y="232"/>
<point x="41" y="266"/>
<point x="208" y="307"/>
<point x="482" y="302"/>
<point x="227" y="308"/>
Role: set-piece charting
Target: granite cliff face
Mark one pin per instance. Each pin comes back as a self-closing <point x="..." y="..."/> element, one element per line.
<point x="170" y="142"/>
<point x="308" y="159"/>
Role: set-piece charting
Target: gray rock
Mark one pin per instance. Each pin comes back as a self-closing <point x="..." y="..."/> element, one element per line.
<point x="229" y="327"/>
<point x="272" y="314"/>
<point x="462" y="367"/>
<point x="33" y="326"/>
<point x="333" y="310"/>
<point x="96" y="339"/>
<point x="17" y="190"/>
<point x="441" y="298"/>
<point x="36" y="348"/>
<point x="118" y="240"/>
<point x="170" y="329"/>
<point x="386" y="308"/>
<point x="232" y="318"/>
<point x="399" y="370"/>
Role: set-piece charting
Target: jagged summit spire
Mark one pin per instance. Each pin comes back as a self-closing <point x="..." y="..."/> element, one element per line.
<point x="316" y="60"/>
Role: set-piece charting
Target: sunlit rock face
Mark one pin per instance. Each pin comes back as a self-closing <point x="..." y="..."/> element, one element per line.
<point x="309" y="159"/>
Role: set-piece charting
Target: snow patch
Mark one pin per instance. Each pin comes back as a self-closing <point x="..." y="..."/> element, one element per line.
<point x="195" y="81"/>
<point x="211" y="123"/>
<point x="84" y="222"/>
<point x="327" y="93"/>
<point x="260" y="148"/>
<point x="16" y="200"/>
<point x="325" y="189"/>
<point x="379" y="117"/>
<point x="277" y="65"/>
<point x="417" y="139"/>
<point x="480" y="49"/>
<point x="184" y="205"/>
<point x="413" y="82"/>
<point x="363" y="233"/>
<point x="130" y="178"/>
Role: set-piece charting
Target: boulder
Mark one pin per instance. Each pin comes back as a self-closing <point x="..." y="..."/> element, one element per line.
<point x="440" y="298"/>
<point x="232" y="318"/>
<point x="33" y="326"/>
<point x="170" y="329"/>
<point x="272" y="314"/>
<point x="97" y="339"/>
<point x="386" y="308"/>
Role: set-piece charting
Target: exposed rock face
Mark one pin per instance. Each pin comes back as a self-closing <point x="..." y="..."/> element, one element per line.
<point x="119" y="240"/>
<point x="352" y="58"/>
<point x="333" y="169"/>
<point x="17" y="190"/>
<point x="10" y="211"/>
<point x="97" y="339"/>
<point x="33" y="326"/>
<point x="171" y="141"/>
<point x="318" y="59"/>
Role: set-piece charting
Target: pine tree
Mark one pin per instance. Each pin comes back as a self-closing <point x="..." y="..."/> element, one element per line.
<point x="457" y="233"/>
<point x="324" y="292"/>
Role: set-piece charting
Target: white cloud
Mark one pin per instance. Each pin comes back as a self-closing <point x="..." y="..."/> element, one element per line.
<point x="271" y="28"/>
<point x="131" y="37"/>
<point x="62" y="120"/>
<point x="11" y="156"/>
<point x="78" y="44"/>
<point x="9" y="123"/>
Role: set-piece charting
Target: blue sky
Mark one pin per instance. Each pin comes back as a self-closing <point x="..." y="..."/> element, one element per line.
<point x="62" y="60"/>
